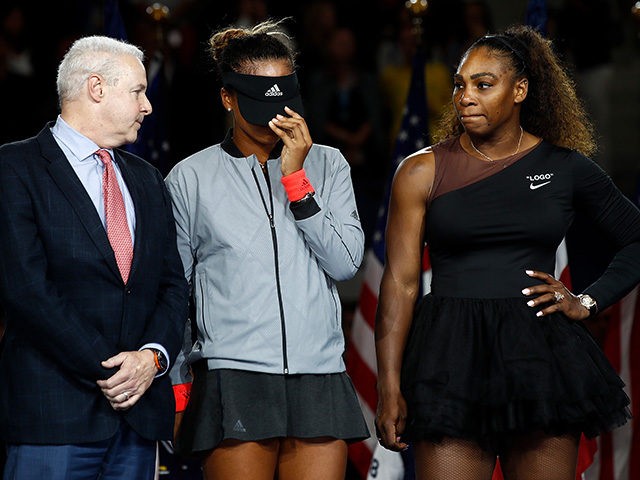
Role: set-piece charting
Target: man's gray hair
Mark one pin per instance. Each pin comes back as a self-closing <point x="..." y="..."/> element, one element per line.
<point x="88" y="55"/>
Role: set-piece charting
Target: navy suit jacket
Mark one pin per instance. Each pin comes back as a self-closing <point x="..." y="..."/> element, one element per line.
<point x="67" y="306"/>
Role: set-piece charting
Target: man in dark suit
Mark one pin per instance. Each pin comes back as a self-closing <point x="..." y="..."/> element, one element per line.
<point x="91" y="281"/>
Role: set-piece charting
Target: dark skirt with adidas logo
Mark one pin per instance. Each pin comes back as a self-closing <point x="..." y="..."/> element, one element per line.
<point x="250" y="406"/>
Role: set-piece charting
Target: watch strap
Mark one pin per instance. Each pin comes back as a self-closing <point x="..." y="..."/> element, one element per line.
<point x="159" y="359"/>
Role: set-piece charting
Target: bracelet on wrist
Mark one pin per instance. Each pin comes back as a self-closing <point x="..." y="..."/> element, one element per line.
<point x="304" y="199"/>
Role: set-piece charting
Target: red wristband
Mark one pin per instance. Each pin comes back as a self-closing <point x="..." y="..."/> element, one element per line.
<point x="297" y="185"/>
<point x="182" y="392"/>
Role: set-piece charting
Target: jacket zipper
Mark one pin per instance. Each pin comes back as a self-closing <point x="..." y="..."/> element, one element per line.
<point x="203" y="316"/>
<point x="274" y="240"/>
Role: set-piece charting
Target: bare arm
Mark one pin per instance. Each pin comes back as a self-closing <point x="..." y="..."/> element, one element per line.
<point x="400" y="287"/>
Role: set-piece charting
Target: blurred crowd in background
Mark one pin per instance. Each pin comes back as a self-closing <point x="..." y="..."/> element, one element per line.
<point x="354" y="68"/>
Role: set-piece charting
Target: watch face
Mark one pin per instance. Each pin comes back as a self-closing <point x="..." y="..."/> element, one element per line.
<point x="587" y="302"/>
<point x="162" y="360"/>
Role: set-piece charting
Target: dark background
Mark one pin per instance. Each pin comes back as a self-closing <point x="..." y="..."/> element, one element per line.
<point x="34" y="36"/>
<point x="345" y="48"/>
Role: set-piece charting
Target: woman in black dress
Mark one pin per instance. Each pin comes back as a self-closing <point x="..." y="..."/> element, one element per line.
<point x="495" y="360"/>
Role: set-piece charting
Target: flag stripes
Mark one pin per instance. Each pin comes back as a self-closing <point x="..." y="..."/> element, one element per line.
<point x="361" y="360"/>
<point x="618" y="453"/>
<point x="634" y="381"/>
<point x="360" y="355"/>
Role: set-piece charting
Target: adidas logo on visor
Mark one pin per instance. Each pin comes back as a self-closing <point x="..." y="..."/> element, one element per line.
<point x="273" y="91"/>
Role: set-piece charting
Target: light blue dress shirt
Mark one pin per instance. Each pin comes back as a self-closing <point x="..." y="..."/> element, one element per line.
<point x="80" y="151"/>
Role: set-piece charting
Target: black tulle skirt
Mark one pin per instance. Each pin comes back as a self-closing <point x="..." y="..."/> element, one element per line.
<point x="483" y="369"/>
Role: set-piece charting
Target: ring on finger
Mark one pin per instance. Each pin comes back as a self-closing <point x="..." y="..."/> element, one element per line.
<point x="558" y="296"/>
<point x="126" y="396"/>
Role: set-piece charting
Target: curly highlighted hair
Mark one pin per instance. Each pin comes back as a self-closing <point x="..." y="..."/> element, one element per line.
<point x="552" y="109"/>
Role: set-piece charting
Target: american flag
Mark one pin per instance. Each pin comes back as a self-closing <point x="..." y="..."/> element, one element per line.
<point x="618" y="452"/>
<point x="361" y="358"/>
<point x="615" y="455"/>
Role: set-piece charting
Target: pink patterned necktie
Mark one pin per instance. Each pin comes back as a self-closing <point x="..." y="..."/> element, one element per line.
<point x="116" y="217"/>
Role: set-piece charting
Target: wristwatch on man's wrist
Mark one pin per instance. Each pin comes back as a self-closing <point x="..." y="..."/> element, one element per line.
<point x="589" y="303"/>
<point x="159" y="359"/>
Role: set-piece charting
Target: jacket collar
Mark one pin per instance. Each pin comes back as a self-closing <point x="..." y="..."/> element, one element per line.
<point x="230" y="147"/>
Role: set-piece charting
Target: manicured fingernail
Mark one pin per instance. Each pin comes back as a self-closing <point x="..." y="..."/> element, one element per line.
<point x="526" y="291"/>
<point x="529" y="272"/>
<point x="539" y="314"/>
<point x="531" y="303"/>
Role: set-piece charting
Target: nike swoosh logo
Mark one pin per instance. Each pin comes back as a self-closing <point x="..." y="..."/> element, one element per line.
<point x="533" y="187"/>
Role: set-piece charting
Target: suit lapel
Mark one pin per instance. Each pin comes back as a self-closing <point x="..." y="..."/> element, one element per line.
<point x="71" y="187"/>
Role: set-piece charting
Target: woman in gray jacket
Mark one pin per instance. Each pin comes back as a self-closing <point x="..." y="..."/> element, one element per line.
<point x="267" y="223"/>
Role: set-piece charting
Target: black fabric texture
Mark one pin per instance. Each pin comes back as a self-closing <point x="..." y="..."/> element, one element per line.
<point x="479" y="364"/>
<point x="249" y="406"/>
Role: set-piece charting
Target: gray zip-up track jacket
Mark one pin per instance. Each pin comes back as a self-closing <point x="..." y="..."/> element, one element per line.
<point x="262" y="270"/>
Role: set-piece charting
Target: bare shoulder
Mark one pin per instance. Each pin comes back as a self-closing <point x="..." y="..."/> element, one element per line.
<point x="417" y="169"/>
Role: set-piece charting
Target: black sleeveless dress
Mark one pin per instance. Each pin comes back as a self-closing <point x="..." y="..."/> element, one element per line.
<point x="479" y="364"/>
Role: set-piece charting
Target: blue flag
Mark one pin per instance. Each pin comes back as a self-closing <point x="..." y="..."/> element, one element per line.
<point x="113" y="22"/>
<point x="153" y="139"/>
<point x="153" y="136"/>
<point x="413" y="136"/>
<point x="537" y="16"/>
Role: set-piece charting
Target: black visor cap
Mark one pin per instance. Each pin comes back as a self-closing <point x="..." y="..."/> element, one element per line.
<point x="261" y="98"/>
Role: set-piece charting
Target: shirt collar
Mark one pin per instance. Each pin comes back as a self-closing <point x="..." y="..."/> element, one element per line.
<point x="81" y="147"/>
